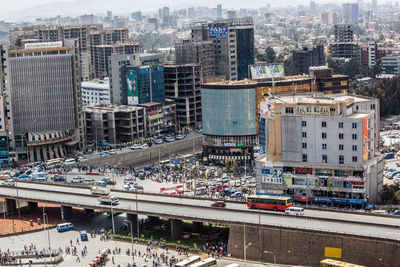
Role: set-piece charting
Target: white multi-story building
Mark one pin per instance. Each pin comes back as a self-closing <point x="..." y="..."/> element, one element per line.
<point x="320" y="148"/>
<point x="96" y="92"/>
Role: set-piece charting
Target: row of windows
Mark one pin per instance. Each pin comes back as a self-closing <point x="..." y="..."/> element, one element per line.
<point x="323" y="123"/>
<point x="325" y="146"/>
<point x="324" y="135"/>
<point x="325" y="158"/>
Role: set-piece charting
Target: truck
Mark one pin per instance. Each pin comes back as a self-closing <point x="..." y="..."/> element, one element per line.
<point x="100" y="190"/>
<point x="108" y="200"/>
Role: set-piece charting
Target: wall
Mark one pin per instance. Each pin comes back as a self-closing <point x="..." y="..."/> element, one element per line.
<point x="147" y="155"/>
<point x="302" y="247"/>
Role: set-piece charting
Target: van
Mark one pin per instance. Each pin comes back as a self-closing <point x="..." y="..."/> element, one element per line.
<point x="84" y="236"/>
<point x="379" y="211"/>
<point x="294" y="211"/>
<point x="9" y="182"/>
<point x="41" y="179"/>
<point x="77" y="180"/>
<point x="62" y="227"/>
<point x="59" y="179"/>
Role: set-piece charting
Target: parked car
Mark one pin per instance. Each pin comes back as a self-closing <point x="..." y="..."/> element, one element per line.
<point x="144" y="146"/>
<point x="218" y="204"/>
<point x="136" y="147"/>
<point x="59" y="179"/>
<point x="9" y="182"/>
<point x="179" y="137"/>
<point x="103" y="154"/>
<point x="388" y="156"/>
<point x="112" y="152"/>
<point x="77" y="180"/>
<point x="169" y="139"/>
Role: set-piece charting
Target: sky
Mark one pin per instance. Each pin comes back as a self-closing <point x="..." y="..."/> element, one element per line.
<point x="13" y="10"/>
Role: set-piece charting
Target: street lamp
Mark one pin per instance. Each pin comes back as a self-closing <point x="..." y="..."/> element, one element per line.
<point x="269" y="252"/>
<point x="112" y="220"/>
<point x="130" y="223"/>
<point x="245" y="249"/>
<point x="17" y="202"/>
<point x="137" y="215"/>
<point x="44" y="224"/>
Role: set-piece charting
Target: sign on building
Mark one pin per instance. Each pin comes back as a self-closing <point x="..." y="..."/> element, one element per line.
<point x="313" y="110"/>
<point x="218" y="32"/>
<point x="267" y="71"/>
<point x="132" y="86"/>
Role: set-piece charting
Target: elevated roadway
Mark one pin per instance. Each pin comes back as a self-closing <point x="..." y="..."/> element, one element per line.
<point x="199" y="210"/>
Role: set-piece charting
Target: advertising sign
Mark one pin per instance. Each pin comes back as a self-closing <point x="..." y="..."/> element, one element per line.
<point x="218" y="32"/>
<point x="365" y="138"/>
<point x="267" y="71"/>
<point x="132" y="86"/>
<point x="313" y="110"/>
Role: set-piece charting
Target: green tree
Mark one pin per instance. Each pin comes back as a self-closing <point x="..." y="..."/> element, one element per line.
<point x="270" y="54"/>
<point x="235" y="167"/>
<point x="227" y="166"/>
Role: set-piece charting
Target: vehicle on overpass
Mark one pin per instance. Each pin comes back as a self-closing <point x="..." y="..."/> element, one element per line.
<point x="9" y="182"/>
<point x="100" y="190"/>
<point x="336" y="263"/>
<point x="188" y="261"/>
<point x="209" y="262"/>
<point x="62" y="227"/>
<point x="108" y="200"/>
<point x="294" y="211"/>
<point x="269" y="202"/>
<point x="218" y="204"/>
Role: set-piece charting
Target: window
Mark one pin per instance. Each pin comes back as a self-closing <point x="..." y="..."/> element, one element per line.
<point x="354" y="148"/>
<point x="340" y="136"/>
<point x="323" y="135"/>
<point x="354" y="159"/>
<point x="340" y="124"/>
<point x="341" y="159"/>
<point x="304" y="134"/>
<point x="324" y="158"/>
<point x="373" y="106"/>
<point x="304" y="145"/>
<point x="304" y="157"/>
<point x="289" y="110"/>
<point x="323" y="146"/>
<point x="354" y="136"/>
<point x="354" y="125"/>
<point x="323" y="124"/>
<point x="304" y="123"/>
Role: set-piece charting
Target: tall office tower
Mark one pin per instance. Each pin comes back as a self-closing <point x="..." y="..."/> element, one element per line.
<point x="137" y="15"/>
<point x="4" y="143"/>
<point x="233" y="45"/>
<point x="182" y="84"/>
<point x="308" y="57"/>
<point x="165" y="16"/>
<point x="325" y="18"/>
<point x="374" y="5"/>
<point x="344" y="45"/>
<point x="202" y="53"/>
<point x="118" y="64"/>
<point x="43" y="86"/>
<point x="313" y="7"/>
<point x="350" y="13"/>
<point x="101" y="54"/>
<point x="231" y="14"/>
<point x="219" y="11"/>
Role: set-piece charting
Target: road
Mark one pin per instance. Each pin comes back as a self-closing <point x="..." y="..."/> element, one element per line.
<point x="199" y="210"/>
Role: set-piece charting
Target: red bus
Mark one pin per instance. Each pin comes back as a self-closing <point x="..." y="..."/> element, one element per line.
<point x="269" y="202"/>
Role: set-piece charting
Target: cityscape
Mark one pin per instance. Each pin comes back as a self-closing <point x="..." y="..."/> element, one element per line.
<point x="200" y="134"/>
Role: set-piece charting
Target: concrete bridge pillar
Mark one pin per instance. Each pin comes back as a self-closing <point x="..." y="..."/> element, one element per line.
<point x="176" y="228"/>
<point x="88" y="211"/>
<point x="133" y="219"/>
<point x="32" y="205"/>
<point x="66" y="212"/>
<point x="11" y="205"/>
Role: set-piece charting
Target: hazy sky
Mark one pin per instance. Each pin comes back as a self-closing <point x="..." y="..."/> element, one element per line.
<point x="17" y="9"/>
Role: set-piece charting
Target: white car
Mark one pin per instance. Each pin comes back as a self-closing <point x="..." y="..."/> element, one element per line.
<point x="112" y="152"/>
<point x="136" y="147"/>
<point x="144" y="146"/>
<point x="179" y="137"/>
<point x="9" y="182"/>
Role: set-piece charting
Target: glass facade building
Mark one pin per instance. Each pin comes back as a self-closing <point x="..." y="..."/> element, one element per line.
<point x="151" y="86"/>
<point x="245" y="51"/>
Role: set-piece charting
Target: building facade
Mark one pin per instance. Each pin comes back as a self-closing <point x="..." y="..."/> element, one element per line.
<point x="43" y="85"/>
<point x="96" y="92"/>
<point x="310" y="56"/>
<point x="391" y="64"/>
<point x="160" y="117"/>
<point x="229" y="122"/>
<point x="183" y="84"/>
<point x="114" y="124"/>
<point x="344" y="45"/>
<point x="321" y="149"/>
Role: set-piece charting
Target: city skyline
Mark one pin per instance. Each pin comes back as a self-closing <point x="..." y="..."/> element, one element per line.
<point x="48" y="8"/>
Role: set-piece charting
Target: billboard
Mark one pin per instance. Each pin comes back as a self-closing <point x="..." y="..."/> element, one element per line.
<point x="267" y="71"/>
<point x="132" y="86"/>
<point x="218" y="32"/>
<point x="365" y="138"/>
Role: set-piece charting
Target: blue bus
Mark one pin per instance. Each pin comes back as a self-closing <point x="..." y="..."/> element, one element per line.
<point x="62" y="227"/>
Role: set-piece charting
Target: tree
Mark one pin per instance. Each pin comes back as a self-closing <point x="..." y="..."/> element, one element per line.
<point x="288" y="66"/>
<point x="270" y="54"/>
<point x="235" y="167"/>
<point x="227" y="166"/>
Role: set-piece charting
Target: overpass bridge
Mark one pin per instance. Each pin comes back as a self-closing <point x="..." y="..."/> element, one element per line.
<point x="372" y="237"/>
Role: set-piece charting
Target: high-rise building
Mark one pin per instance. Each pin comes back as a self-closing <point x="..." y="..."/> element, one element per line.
<point x="374" y="5"/>
<point x="321" y="149"/>
<point x="96" y="92"/>
<point x="182" y="84"/>
<point x="4" y="139"/>
<point x="313" y="7"/>
<point x="166" y="16"/>
<point x="45" y="119"/>
<point x="233" y="45"/>
<point x="219" y="11"/>
<point x="188" y="52"/>
<point x="101" y="54"/>
<point x="308" y="57"/>
<point x="391" y="64"/>
<point x="325" y="18"/>
<point x="344" y="45"/>
<point x="368" y="55"/>
<point x="350" y="13"/>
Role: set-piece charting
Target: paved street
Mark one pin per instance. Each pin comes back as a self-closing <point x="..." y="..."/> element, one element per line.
<point x="62" y="240"/>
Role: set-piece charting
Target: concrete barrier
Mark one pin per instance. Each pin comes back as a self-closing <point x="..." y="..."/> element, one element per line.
<point x="146" y="155"/>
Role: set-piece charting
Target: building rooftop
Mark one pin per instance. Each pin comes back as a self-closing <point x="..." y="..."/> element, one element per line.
<point x="97" y="84"/>
<point x="110" y="108"/>
<point x="316" y="99"/>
